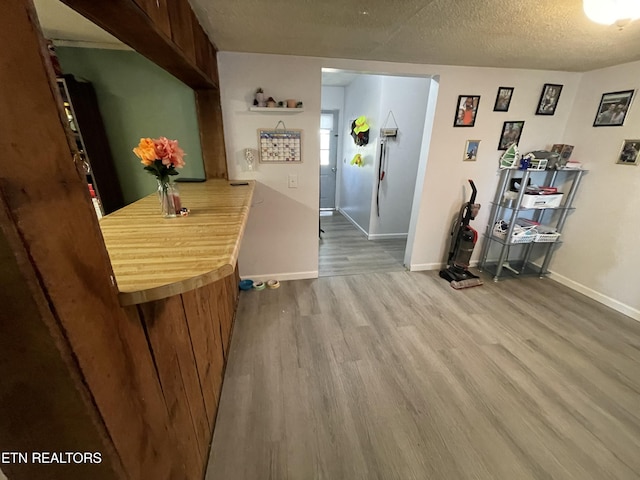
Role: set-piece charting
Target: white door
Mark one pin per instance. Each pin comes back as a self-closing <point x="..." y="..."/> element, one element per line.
<point x="328" y="158"/>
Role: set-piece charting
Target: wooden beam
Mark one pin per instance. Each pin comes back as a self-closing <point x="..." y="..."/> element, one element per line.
<point x="148" y="31"/>
<point x="211" y="133"/>
<point x="46" y="204"/>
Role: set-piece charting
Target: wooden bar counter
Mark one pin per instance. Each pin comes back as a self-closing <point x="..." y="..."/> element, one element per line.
<point x="178" y="285"/>
<point x="154" y="257"/>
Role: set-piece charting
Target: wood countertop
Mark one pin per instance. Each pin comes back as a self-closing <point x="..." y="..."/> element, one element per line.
<point x="154" y="257"/>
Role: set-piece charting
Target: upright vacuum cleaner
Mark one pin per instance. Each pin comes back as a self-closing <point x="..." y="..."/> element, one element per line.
<point x="463" y="240"/>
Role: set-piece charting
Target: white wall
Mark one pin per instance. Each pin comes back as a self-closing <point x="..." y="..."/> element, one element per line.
<point x="600" y="252"/>
<point x="281" y="237"/>
<point x="361" y="97"/>
<point x="282" y="233"/>
<point x="333" y="99"/>
<point x="407" y="98"/>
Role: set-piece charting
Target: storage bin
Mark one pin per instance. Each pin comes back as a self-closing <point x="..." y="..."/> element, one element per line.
<point x="546" y="237"/>
<point x="519" y="235"/>
<point x="541" y="201"/>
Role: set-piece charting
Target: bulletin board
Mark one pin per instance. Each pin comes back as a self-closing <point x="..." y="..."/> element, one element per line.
<point x="280" y="145"/>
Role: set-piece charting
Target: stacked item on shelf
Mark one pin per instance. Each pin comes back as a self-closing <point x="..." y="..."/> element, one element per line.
<point x="526" y="231"/>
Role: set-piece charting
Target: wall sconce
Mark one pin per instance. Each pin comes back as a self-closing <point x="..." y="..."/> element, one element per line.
<point x="608" y="12"/>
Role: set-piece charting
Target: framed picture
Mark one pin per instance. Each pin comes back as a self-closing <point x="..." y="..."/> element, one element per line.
<point x="511" y="132"/>
<point x="613" y="109"/>
<point x="629" y="152"/>
<point x="471" y="150"/>
<point x="466" y="110"/>
<point x="503" y="99"/>
<point x="549" y="99"/>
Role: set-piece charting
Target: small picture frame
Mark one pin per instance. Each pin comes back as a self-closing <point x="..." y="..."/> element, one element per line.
<point x="471" y="150"/>
<point x="503" y="99"/>
<point x="511" y="132"/>
<point x="549" y="99"/>
<point x="613" y="109"/>
<point x="629" y="153"/>
<point x="466" y="110"/>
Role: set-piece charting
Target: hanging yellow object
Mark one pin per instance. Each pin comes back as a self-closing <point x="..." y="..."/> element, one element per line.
<point x="361" y="124"/>
<point x="357" y="160"/>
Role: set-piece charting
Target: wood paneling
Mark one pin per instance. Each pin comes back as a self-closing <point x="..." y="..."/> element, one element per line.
<point x="170" y="345"/>
<point x="43" y="403"/>
<point x="47" y="204"/>
<point x="211" y="133"/>
<point x="131" y="24"/>
<point x="204" y="330"/>
<point x="182" y="32"/>
<point x="158" y="13"/>
<point x="138" y="384"/>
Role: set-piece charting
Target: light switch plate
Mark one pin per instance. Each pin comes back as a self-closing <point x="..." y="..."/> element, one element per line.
<point x="293" y="180"/>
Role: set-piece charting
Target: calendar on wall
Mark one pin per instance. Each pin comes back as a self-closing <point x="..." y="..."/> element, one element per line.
<point x="280" y="146"/>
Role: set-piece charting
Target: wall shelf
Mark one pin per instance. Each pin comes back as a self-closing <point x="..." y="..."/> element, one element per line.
<point x="275" y="110"/>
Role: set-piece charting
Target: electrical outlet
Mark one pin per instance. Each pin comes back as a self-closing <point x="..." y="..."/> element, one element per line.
<point x="293" y="181"/>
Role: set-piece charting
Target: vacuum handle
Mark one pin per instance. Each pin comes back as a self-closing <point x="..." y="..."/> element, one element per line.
<point x="474" y="192"/>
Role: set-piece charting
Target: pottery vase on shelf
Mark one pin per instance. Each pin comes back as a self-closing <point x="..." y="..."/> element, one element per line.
<point x="169" y="198"/>
<point x="260" y="99"/>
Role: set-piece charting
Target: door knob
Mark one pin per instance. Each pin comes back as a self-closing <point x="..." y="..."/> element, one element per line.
<point x="334" y="169"/>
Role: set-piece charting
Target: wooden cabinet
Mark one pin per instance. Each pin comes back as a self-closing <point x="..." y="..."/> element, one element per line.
<point x="85" y="122"/>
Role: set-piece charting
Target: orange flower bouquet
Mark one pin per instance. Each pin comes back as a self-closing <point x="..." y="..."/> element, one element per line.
<point x="161" y="157"/>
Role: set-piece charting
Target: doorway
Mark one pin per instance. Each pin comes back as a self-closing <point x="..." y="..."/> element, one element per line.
<point x="328" y="158"/>
<point x="374" y="200"/>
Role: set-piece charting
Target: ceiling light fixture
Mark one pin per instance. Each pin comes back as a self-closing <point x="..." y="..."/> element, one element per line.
<point x="608" y="12"/>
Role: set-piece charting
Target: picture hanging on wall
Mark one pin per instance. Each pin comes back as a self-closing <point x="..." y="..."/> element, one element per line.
<point x="549" y="99"/>
<point x="613" y="109"/>
<point x="466" y="110"/>
<point x="280" y="145"/>
<point x="503" y="99"/>
<point x="629" y="152"/>
<point x="511" y="132"/>
<point x="471" y="150"/>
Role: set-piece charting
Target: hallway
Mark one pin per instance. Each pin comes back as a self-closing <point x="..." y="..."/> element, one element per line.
<point x="344" y="250"/>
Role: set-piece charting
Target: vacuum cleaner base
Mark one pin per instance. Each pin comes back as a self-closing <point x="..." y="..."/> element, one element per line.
<point x="460" y="278"/>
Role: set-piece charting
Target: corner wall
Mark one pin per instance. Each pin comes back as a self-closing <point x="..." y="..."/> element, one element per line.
<point x="271" y="245"/>
<point x="599" y="256"/>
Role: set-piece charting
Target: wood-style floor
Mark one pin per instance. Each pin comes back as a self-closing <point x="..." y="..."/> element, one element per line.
<point x="399" y="376"/>
<point x="345" y="250"/>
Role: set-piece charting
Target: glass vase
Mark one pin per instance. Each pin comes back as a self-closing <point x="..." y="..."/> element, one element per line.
<point x="169" y="198"/>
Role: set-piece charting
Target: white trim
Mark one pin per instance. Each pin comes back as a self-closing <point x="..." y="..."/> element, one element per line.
<point x="353" y="221"/>
<point x="376" y="236"/>
<point x="418" y="267"/>
<point x="597" y="296"/>
<point x="283" y="276"/>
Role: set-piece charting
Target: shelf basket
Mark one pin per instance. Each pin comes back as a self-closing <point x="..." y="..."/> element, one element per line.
<point x="519" y="235"/>
<point x="546" y="237"/>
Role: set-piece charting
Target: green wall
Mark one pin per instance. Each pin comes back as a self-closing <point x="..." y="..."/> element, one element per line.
<point x="137" y="99"/>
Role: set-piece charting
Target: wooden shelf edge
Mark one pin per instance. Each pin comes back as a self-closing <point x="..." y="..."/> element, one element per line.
<point x="276" y="109"/>
<point x="177" y="288"/>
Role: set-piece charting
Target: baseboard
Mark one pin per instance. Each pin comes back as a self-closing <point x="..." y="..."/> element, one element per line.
<point x="283" y="276"/>
<point x="417" y="267"/>
<point x="597" y="296"/>
<point x="389" y="236"/>
<point x="346" y="215"/>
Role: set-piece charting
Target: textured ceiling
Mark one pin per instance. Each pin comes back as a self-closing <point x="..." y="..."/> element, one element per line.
<point x="537" y="34"/>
